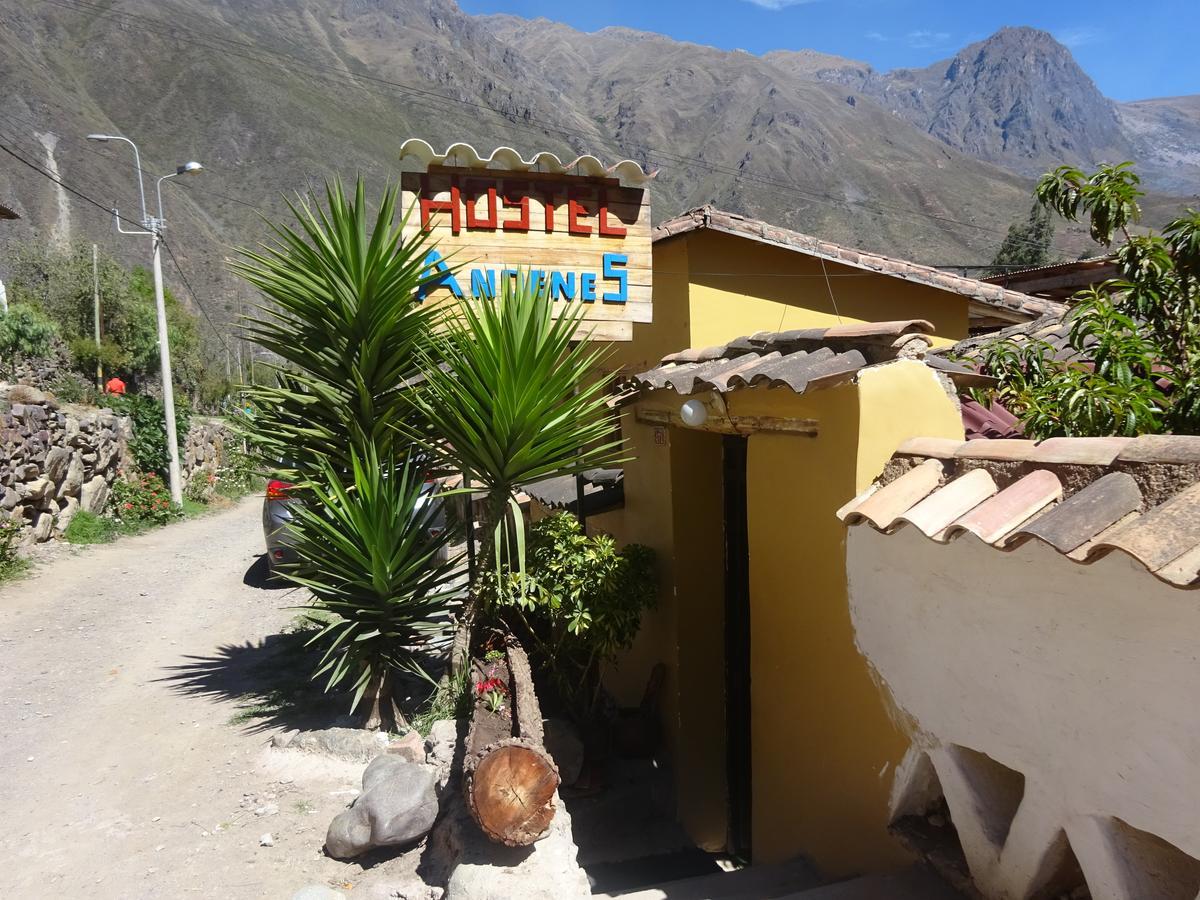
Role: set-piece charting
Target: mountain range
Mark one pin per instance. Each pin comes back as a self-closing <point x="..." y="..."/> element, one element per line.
<point x="273" y="96"/>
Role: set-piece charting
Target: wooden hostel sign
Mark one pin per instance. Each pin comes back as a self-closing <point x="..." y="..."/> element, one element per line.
<point x="581" y="230"/>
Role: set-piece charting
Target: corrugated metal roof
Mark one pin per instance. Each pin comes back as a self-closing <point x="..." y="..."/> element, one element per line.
<point x="415" y="150"/>
<point x="1012" y="302"/>
<point x="1085" y="497"/>
<point x="602" y="489"/>
<point x="1052" y="330"/>
<point x="799" y="360"/>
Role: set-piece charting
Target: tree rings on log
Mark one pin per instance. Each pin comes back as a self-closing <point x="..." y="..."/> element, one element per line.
<point x="510" y="789"/>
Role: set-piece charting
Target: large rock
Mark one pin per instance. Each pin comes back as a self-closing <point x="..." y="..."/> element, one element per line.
<point x="94" y="494"/>
<point x="354" y="744"/>
<point x="481" y="870"/>
<point x="67" y="513"/>
<point x="43" y="527"/>
<point x="318" y="892"/>
<point x="398" y="805"/>
<point x="55" y="466"/>
<point x="38" y="489"/>
<point x="9" y="499"/>
<point x="72" y="481"/>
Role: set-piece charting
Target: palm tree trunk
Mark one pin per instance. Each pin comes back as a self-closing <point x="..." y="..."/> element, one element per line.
<point x="460" y="649"/>
<point x="384" y="714"/>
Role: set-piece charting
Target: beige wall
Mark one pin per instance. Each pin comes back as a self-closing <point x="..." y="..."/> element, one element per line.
<point x="1022" y="665"/>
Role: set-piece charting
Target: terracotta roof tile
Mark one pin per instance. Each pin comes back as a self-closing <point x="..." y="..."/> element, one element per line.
<point x="996" y="518"/>
<point x="799" y="359"/>
<point x="1086" y="514"/>
<point x="936" y="447"/>
<point x="1105" y="481"/>
<point x="882" y="507"/>
<point x="1163" y="448"/>
<point x="1092" y="451"/>
<point x="1005" y="448"/>
<point x="1163" y="534"/>
<point x="941" y="508"/>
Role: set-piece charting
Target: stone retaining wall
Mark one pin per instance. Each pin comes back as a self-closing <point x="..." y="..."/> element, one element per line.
<point x="56" y="460"/>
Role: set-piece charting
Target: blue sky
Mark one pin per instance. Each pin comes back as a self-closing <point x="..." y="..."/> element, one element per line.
<point x="1131" y="50"/>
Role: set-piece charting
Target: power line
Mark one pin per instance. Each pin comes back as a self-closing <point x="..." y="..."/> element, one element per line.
<point x="170" y="30"/>
<point x="195" y="299"/>
<point x="101" y="206"/>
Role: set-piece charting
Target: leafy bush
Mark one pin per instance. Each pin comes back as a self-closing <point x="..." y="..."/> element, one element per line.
<point x="11" y="562"/>
<point x="580" y="603"/>
<point x="370" y="557"/>
<point x="238" y="474"/>
<point x="149" y="444"/>
<point x="24" y="332"/>
<point x="143" y="500"/>
<point x="201" y="487"/>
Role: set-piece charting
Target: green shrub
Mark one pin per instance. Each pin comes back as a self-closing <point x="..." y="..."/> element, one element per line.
<point x="11" y="563"/>
<point x="580" y="603"/>
<point x="89" y="528"/>
<point x="238" y="474"/>
<point x="24" y="332"/>
<point x="149" y="444"/>
<point x="144" y="500"/>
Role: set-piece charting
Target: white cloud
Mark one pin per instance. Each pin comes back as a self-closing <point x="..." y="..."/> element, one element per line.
<point x="776" y="5"/>
<point x="875" y="36"/>
<point x="922" y="39"/>
<point x="1079" y="36"/>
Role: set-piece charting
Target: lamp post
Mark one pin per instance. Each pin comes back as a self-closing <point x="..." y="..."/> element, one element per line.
<point x="153" y="226"/>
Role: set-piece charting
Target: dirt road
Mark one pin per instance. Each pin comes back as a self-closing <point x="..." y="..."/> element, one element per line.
<point x="124" y="771"/>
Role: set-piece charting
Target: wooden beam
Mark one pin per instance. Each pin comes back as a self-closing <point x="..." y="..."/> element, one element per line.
<point x="731" y="424"/>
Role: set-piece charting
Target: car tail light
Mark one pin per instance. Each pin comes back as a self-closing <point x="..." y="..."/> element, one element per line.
<point x="278" y="490"/>
<point x="277" y="554"/>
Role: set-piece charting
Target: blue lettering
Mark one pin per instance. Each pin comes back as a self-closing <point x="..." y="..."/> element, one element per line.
<point x="437" y="274"/>
<point x="611" y="262"/>
<point x="562" y="285"/>
<point x="483" y="284"/>
<point x="587" y="287"/>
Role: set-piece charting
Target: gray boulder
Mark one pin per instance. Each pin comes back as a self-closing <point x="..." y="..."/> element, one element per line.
<point x="66" y="514"/>
<point x="72" y="481"/>
<point x="398" y="805"/>
<point x="43" y="527"/>
<point x="317" y="892"/>
<point x="38" y="489"/>
<point x="9" y="499"/>
<point x="354" y="744"/>
<point x="94" y="495"/>
<point x="55" y="466"/>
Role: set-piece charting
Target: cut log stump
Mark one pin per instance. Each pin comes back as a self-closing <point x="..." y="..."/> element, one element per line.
<point x="509" y="780"/>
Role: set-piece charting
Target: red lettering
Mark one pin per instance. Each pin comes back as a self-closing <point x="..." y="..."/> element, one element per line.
<point x="474" y="188"/>
<point x="575" y="210"/>
<point x="547" y="195"/>
<point x="521" y="223"/>
<point x="429" y="206"/>
<point x="602" y="218"/>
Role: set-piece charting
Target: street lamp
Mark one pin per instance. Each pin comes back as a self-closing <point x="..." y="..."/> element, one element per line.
<point x="154" y="226"/>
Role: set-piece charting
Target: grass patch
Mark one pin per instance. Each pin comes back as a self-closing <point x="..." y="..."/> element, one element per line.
<point x="12" y="569"/>
<point x="451" y="699"/>
<point x="89" y="528"/>
<point x="193" y="508"/>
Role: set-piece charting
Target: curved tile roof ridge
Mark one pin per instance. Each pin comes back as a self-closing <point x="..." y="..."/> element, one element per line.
<point x="1083" y="497"/>
<point x="627" y="171"/>
<point x="756" y="229"/>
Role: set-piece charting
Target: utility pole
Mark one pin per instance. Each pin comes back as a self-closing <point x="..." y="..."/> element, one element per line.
<point x="96" y="315"/>
<point x="153" y="226"/>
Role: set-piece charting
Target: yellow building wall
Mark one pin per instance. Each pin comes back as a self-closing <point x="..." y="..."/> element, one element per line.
<point x="740" y="286"/>
<point x="671" y="329"/>
<point x="823" y="743"/>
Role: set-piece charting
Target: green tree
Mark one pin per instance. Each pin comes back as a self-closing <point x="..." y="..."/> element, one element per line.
<point x="1140" y="332"/>
<point x="24" y="332"/>
<point x="1027" y="244"/>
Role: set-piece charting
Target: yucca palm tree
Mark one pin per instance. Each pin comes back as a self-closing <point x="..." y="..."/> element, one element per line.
<point x="370" y="557"/>
<point x="511" y="397"/>
<point x="344" y="314"/>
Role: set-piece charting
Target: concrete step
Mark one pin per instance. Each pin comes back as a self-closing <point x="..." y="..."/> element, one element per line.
<point x="917" y="883"/>
<point x="751" y="883"/>
<point x="796" y="881"/>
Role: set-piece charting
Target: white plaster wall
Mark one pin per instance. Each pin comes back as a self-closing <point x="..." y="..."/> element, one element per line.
<point x="1085" y="679"/>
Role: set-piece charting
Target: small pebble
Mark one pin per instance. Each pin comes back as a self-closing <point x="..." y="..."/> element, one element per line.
<point x="266" y="841"/>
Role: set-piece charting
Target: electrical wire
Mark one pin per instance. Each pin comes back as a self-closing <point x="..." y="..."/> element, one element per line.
<point x="192" y="292"/>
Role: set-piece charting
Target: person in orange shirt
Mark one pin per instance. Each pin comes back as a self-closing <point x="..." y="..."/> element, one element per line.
<point x="114" y="385"/>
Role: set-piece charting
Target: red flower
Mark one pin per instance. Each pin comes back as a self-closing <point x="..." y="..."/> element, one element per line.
<point x="491" y="684"/>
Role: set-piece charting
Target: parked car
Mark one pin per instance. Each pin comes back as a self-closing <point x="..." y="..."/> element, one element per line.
<point x="278" y="506"/>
